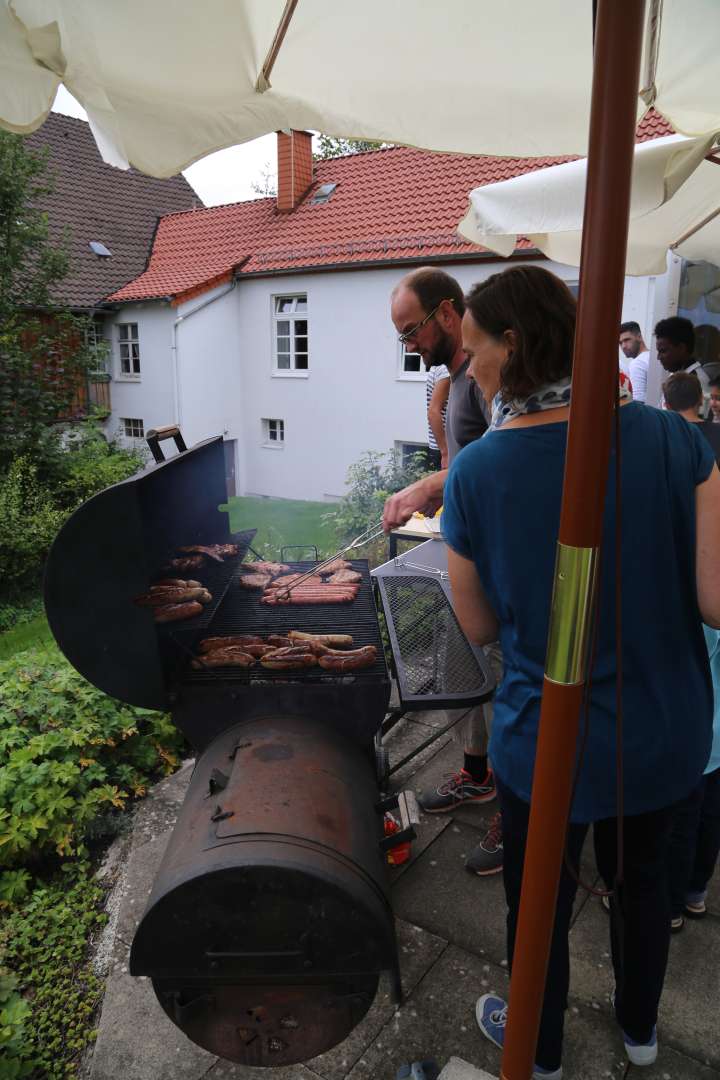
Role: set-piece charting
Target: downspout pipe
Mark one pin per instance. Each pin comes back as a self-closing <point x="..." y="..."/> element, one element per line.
<point x="177" y="395"/>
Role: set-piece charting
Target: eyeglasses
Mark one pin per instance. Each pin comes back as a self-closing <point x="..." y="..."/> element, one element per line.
<point x="410" y="334"/>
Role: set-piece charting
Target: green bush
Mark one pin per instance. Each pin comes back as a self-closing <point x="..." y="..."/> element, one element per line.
<point x="45" y="945"/>
<point x="69" y="755"/>
<point x="29" y="521"/>
<point x="14" y="1011"/>
<point x="88" y="463"/>
<point x="370" y="481"/>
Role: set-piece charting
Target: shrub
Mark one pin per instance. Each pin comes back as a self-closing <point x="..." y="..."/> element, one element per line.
<point x="45" y="946"/>
<point x="88" y="463"/>
<point x="69" y="755"/>
<point x="29" y="521"/>
<point x="370" y="481"/>
<point x="14" y="1011"/>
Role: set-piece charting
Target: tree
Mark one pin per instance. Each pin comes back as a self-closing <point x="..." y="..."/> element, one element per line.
<point x="43" y="357"/>
<point x="266" y="183"/>
<point x="330" y="147"/>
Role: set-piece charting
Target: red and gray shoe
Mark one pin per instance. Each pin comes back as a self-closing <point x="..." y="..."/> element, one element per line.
<point x="487" y="858"/>
<point x="456" y="791"/>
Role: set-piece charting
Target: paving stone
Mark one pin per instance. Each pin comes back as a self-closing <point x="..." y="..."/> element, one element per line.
<point x="457" y="1069"/>
<point x="137" y="1041"/>
<point x="138" y="883"/>
<point x="229" y="1070"/>
<point x="688" y="1010"/>
<point x="408" y="734"/>
<point x="418" y="951"/>
<point x="437" y="1021"/>
<point x="438" y="894"/>
<point x="159" y="810"/>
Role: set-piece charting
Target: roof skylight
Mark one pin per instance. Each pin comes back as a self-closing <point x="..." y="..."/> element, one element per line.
<point x="323" y="193"/>
<point x="99" y="248"/>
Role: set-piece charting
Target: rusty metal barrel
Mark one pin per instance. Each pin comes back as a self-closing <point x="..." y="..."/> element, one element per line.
<point x="269" y="922"/>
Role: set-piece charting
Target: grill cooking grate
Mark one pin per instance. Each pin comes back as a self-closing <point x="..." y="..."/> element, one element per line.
<point x="436" y="667"/>
<point x="242" y="613"/>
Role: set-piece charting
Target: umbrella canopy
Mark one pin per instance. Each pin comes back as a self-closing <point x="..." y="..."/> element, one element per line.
<point x="165" y="83"/>
<point x="675" y="205"/>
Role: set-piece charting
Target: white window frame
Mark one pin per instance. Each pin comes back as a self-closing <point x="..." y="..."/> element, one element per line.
<point x="128" y="376"/>
<point x="272" y="424"/>
<point x="292" y="316"/>
<point x="132" y="420"/>
<point x="409" y="376"/>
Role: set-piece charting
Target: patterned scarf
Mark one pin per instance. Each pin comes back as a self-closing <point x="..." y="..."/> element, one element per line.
<point x="551" y="396"/>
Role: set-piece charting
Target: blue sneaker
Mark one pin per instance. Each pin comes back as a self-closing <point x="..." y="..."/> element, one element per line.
<point x="638" y="1053"/>
<point x="491" y="1015"/>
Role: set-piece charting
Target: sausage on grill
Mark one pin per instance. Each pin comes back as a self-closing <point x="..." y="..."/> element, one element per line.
<point x="225" y="658"/>
<point x="289" y="663"/>
<point x="322" y="595"/>
<point x="160" y="596"/>
<point x="178" y="583"/>
<point x="254" y="581"/>
<point x="333" y="641"/>
<point x="349" y="661"/>
<point x="345" y="577"/>
<point x="239" y="641"/>
<point x="176" y="612"/>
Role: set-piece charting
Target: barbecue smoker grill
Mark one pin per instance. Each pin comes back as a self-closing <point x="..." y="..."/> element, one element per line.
<point x="269" y="922"/>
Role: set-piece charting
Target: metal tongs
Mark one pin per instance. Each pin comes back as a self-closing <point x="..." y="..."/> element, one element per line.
<point x="364" y="538"/>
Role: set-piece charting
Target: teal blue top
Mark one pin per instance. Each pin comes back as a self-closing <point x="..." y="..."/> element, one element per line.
<point x="502" y="510"/>
<point x="712" y="639"/>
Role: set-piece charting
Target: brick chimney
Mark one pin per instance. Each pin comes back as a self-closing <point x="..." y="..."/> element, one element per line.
<point x="295" y="167"/>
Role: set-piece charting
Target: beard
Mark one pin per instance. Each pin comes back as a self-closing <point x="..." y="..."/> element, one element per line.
<point x="442" y="350"/>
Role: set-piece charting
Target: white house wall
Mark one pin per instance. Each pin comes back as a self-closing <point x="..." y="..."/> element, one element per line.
<point x="352" y="399"/>
<point x="150" y="397"/>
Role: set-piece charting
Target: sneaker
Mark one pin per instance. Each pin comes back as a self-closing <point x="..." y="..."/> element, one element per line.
<point x="638" y="1053"/>
<point x="677" y="924"/>
<point x="491" y="1015"/>
<point x="695" y="905"/>
<point x="457" y="790"/>
<point x="487" y="858"/>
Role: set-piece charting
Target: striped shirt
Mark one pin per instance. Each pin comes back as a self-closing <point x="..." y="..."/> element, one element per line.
<point x="434" y="375"/>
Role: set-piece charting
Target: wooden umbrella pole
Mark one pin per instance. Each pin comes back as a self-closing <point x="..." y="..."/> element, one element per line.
<point x="616" y="68"/>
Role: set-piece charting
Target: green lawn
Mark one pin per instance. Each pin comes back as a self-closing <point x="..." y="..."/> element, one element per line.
<point x="25" y="636"/>
<point x="283" y="521"/>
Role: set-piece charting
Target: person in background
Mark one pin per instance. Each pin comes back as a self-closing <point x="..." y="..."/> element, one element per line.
<point x="637" y="356"/>
<point x="518" y="332"/>
<point x="426" y="308"/>
<point x="714" y="388"/>
<point x="437" y="389"/>
<point x="683" y="394"/>
<point x="675" y="340"/>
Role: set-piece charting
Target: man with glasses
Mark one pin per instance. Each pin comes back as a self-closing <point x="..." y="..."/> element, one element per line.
<point x="426" y="308"/>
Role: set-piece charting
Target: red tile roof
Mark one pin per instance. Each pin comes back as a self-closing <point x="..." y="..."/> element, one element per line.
<point x="389" y="206"/>
<point x="94" y="201"/>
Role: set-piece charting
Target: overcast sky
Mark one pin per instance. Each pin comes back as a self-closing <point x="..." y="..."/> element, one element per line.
<point x="223" y="177"/>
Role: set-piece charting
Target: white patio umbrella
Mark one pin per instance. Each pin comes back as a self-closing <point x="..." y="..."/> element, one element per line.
<point x="675" y="205"/>
<point x="166" y="82"/>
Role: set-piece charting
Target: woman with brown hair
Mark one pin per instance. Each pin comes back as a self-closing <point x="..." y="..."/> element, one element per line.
<point x="500" y="520"/>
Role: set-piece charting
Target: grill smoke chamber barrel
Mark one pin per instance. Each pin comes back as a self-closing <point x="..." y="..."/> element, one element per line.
<point x="269" y="922"/>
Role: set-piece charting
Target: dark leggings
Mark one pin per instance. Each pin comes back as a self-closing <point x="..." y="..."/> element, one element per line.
<point x="639" y="918"/>
<point x="695" y="841"/>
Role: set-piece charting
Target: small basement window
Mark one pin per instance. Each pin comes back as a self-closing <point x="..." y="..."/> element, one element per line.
<point x="273" y="433"/>
<point x="132" y="427"/>
<point x="323" y="193"/>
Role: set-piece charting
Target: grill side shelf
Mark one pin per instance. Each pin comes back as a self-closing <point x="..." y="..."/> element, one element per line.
<point x="435" y="665"/>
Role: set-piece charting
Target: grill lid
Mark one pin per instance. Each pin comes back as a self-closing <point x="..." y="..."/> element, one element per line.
<point x="109" y="551"/>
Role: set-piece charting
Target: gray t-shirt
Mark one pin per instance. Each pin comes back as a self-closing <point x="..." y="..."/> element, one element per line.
<point x="467" y="414"/>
